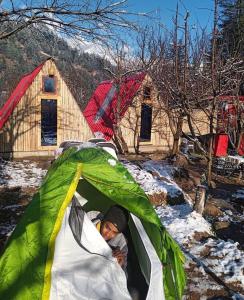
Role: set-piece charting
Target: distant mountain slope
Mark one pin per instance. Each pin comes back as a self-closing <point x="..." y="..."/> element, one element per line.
<point x="22" y="53"/>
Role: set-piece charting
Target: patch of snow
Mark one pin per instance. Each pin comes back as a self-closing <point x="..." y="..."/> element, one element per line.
<point x="239" y="194"/>
<point x="6" y="230"/>
<point x="223" y="258"/>
<point x="84" y="145"/>
<point x="24" y="174"/>
<point x="203" y="285"/>
<point x="225" y="218"/>
<point x="182" y="223"/>
<point x="229" y="260"/>
<point x="148" y="183"/>
<point x="88" y="47"/>
<point x="161" y="168"/>
<point x="167" y="171"/>
<point x="12" y="207"/>
<point x="112" y="162"/>
<point x="238" y="297"/>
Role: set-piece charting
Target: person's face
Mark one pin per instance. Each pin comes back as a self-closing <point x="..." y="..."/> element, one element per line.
<point x="108" y="230"/>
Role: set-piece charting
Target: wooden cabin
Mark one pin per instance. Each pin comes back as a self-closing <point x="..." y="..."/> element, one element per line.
<point x="40" y="113"/>
<point x="143" y="119"/>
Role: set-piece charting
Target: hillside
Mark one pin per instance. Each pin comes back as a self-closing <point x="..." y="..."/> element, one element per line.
<point x="22" y="53"/>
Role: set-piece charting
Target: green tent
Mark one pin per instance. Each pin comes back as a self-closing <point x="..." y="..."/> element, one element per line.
<point x="26" y="264"/>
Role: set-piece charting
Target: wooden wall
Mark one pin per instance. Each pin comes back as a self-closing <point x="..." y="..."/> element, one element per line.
<point x="21" y="134"/>
<point x="200" y="123"/>
<point x="161" y="135"/>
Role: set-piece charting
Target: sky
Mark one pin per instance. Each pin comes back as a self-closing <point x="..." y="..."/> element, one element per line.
<point x="201" y="11"/>
<point x="200" y="15"/>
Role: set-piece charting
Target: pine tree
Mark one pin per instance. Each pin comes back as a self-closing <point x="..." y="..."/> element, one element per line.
<point x="232" y="27"/>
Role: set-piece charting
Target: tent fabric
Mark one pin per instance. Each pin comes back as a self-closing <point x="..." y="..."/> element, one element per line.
<point x="26" y="264"/>
<point x="17" y="94"/>
<point x="86" y="272"/>
<point x="108" y="99"/>
<point x="221" y="145"/>
<point x="241" y="144"/>
<point x="153" y="269"/>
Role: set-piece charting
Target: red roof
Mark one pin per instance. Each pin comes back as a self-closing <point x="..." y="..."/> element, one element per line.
<point x="100" y="111"/>
<point x="17" y="94"/>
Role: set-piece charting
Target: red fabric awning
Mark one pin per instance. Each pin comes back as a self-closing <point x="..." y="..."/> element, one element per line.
<point x="101" y="110"/>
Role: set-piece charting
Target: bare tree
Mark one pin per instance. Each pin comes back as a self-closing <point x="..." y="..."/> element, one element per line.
<point x="219" y="76"/>
<point x="86" y="19"/>
<point x="123" y="67"/>
<point x="169" y="72"/>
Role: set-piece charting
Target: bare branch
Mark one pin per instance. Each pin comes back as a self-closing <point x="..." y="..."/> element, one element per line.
<point x="87" y="18"/>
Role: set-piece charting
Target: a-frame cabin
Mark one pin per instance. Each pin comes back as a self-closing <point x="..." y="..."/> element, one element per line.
<point x="40" y="113"/>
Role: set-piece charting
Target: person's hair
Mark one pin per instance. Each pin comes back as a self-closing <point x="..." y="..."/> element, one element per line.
<point x="118" y="216"/>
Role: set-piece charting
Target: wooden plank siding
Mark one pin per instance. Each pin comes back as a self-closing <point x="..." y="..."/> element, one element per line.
<point x="200" y="123"/>
<point x="21" y="134"/>
<point x="161" y="135"/>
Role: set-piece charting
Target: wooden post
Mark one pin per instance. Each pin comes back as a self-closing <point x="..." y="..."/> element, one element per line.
<point x="200" y="199"/>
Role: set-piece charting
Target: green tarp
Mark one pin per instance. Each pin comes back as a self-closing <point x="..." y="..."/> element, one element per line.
<point x="25" y="266"/>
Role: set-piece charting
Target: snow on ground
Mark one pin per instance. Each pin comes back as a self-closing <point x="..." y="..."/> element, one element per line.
<point x="152" y="184"/>
<point x="164" y="170"/>
<point x="161" y="168"/>
<point x="222" y="257"/>
<point x="182" y="222"/>
<point x="24" y="174"/>
<point x="226" y="258"/>
<point x="13" y="175"/>
<point x="146" y="180"/>
<point x="239" y="194"/>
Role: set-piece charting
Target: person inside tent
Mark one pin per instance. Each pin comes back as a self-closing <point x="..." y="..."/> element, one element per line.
<point x="111" y="226"/>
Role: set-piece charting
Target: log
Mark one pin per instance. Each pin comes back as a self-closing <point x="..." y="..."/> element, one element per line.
<point x="200" y="199"/>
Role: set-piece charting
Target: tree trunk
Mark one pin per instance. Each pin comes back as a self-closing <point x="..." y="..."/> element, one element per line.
<point x="119" y="140"/>
<point x="211" y="140"/>
<point x="136" y="139"/>
<point x="177" y="136"/>
<point x="210" y="160"/>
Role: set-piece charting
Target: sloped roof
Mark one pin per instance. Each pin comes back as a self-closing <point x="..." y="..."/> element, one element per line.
<point x="100" y="111"/>
<point x="17" y="94"/>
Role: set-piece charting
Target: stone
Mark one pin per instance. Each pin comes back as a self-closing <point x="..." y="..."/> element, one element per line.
<point x="212" y="210"/>
<point x="158" y="199"/>
<point x="221" y="225"/>
<point x="180" y="161"/>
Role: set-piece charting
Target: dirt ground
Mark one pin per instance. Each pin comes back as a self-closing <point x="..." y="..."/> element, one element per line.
<point x="221" y="199"/>
<point x="221" y="203"/>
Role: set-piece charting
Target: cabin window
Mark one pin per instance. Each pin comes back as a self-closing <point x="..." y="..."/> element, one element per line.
<point x="49" y="84"/>
<point x="48" y="122"/>
<point x="147" y="92"/>
<point x="146" y="122"/>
